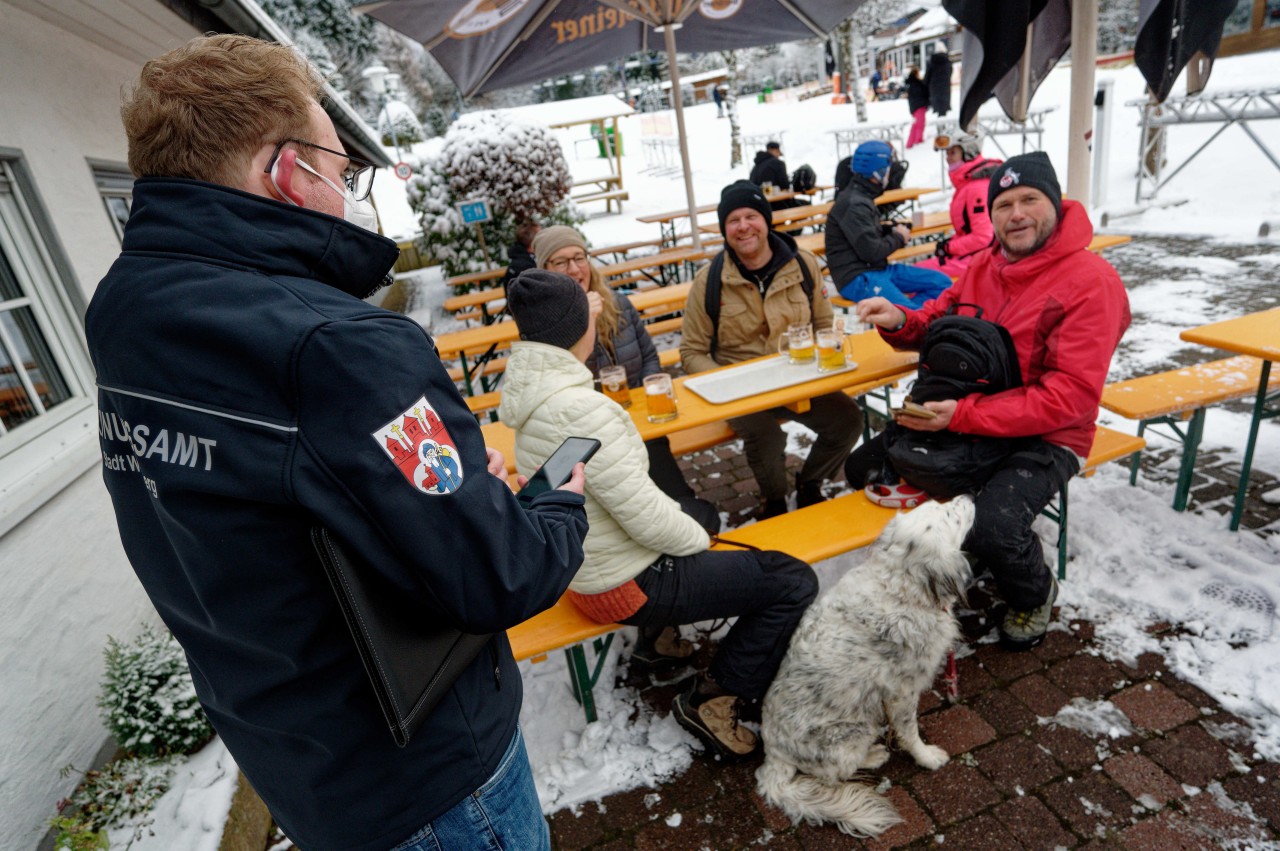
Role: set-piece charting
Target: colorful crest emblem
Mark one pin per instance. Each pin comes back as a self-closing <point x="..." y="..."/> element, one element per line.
<point x="1009" y="178"/>
<point x="418" y="444"/>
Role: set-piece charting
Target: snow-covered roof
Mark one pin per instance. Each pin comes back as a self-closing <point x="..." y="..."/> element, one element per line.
<point x="934" y="23"/>
<point x="562" y="113"/>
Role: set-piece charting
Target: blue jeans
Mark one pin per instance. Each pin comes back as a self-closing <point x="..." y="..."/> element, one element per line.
<point x="502" y="815"/>
<point x="895" y="282"/>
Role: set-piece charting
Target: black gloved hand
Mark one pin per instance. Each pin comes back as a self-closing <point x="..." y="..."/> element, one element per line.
<point x="942" y="250"/>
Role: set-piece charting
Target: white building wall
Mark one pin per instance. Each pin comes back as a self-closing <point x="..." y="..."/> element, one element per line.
<point x="64" y="582"/>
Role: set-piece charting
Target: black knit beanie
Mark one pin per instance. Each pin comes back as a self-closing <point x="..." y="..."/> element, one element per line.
<point x="743" y="193"/>
<point x="548" y="308"/>
<point x="1034" y="170"/>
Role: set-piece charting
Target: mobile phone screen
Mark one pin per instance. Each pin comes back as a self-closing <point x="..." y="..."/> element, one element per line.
<point x="559" y="467"/>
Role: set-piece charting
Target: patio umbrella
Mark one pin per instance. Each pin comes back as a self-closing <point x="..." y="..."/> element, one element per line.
<point x="1170" y="33"/>
<point x="493" y="44"/>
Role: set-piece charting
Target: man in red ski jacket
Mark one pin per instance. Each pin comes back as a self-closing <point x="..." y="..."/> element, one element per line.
<point x="1066" y="310"/>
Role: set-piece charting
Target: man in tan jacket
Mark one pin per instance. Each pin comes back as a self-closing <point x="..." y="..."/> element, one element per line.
<point x="763" y="289"/>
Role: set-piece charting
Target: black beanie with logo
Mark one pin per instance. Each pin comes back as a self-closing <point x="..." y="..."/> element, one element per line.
<point x="1034" y="170"/>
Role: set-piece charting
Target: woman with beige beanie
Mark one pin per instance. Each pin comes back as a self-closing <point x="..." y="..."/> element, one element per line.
<point x="621" y="340"/>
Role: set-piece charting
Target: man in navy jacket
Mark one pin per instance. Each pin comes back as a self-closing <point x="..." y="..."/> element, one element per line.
<point x="247" y="394"/>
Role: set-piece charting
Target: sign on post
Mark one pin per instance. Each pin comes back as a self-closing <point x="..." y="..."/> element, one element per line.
<point x="404" y="171"/>
<point x="474" y="212"/>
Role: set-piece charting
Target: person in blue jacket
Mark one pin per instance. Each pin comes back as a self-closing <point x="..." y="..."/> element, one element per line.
<point x="247" y="395"/>
<point x="859" y="244"/>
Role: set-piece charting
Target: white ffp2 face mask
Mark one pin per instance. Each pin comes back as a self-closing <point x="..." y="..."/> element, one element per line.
<point x="359" y="213"/>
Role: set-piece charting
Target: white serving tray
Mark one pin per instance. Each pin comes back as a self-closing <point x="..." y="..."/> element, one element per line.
<point x="749" y="379"/>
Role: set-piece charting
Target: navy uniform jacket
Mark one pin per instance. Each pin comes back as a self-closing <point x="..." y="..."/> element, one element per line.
<point x="246" y="393"/>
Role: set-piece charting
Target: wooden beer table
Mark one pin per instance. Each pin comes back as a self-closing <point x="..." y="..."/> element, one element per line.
<point x="1256" y="334"/>
<point x="878" y="365"/>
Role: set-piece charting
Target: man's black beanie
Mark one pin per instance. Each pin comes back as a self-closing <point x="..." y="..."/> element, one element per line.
<point x="1034" y="170"/>
<point x="548" y="308"/>
<point x="743" y="193"/>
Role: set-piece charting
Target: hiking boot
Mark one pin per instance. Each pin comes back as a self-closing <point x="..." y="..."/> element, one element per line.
<point x="1024" y="630"/>
<point x="714" y="721"/>
<point x="809" y="493"/>
<point x="773" y="508"/>
<point x="666" y="651"/>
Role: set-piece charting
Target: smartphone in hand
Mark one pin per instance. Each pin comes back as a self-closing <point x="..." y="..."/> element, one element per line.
<point x="557" y="469"/>
<point x="911" y="409"/>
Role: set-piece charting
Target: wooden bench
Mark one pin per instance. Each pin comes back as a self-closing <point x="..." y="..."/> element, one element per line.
<point x="812" y="534"/>
<point x="609" y="198"/>
<point x="1181" y="396"/>
<point x="1108" y="445"/>
<point x="458" y="304"/>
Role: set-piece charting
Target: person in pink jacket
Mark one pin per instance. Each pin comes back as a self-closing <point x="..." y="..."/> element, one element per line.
<point x="1065" y="309"/>
<point x="969" y="172"/>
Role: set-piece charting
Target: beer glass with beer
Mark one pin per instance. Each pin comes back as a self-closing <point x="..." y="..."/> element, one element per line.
<point x="613" y="381"/>
<point x="830" y="350"/>
<point x="660" y="398"/>
<point x="797" y="343"/>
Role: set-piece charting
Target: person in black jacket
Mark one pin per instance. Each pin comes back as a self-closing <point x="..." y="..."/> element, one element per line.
<point x="621" y="340"/>
<point x="770" y="168"/>
<point x="248" y="395"/>
<point x="917" y="102"/>
<point x="519" y="255"/>
<point x="937" y="79"/>
<point x="859" y="244"/>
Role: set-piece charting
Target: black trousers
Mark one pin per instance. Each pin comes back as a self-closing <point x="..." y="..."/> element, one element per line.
<point x="767" y="591"/>
<point x="1001" y="539"/>
<point x="665" y="473"/>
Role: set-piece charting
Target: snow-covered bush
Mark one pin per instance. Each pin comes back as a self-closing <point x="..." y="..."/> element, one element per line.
<point x="121" y="795"/>
<point x="519" y="168"/>
<point x="397" y="116"/>
<point x="148" y="701"/>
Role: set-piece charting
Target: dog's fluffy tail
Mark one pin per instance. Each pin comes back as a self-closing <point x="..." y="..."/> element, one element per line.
<point x="853" y="807"/>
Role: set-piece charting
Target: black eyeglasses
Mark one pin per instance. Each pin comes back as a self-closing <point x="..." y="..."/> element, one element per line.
<point x="358" y="175"/>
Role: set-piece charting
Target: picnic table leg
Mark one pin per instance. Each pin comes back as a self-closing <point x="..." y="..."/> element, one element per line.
<point x="1191" y="445"/>
<point x="1059" y="514"/>
<point x="1260" y="413"/>
<point x="1062" y="535"/>
<point x="581" y="678"/>
<point x="1136" y="461"/>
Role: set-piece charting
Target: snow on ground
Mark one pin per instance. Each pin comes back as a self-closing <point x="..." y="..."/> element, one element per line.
<point x="1180" y="568"/>
<point x="1187" y="569"/>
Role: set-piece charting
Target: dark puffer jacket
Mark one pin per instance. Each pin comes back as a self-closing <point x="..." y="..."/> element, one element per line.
<point x="632" y="347"/>
<point x="855" y="239"/>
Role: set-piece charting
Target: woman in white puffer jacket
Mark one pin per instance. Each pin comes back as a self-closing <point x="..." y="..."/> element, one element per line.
<point x="646" y="563"/>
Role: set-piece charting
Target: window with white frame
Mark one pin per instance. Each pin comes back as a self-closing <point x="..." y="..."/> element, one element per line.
<point x="46" y="403"/>
<point x="115" y="185"/>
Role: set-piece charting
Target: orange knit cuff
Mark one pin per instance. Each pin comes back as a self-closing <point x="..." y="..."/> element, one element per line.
<point x="612" y="605"/>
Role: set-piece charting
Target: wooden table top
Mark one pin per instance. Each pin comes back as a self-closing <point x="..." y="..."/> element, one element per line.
<point x="480" y="338"/>
<point x="878" y="364"/>
<point x="672" y="215"/>
<point x="476" y="277"/>
<point x="650" y="261"/>
<point x="1256" y="334"/>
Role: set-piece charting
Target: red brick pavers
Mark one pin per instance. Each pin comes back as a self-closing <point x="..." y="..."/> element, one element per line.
<point x="1180" y="776"/>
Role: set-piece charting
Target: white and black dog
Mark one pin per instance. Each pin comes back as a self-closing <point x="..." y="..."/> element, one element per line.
<point x="860" y="659"/>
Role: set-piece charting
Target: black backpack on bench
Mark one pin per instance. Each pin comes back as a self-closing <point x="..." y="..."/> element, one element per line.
<point x="962" y="355"/>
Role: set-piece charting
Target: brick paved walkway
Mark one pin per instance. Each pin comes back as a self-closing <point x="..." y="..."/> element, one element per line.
<point x="1183" y="777"/>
